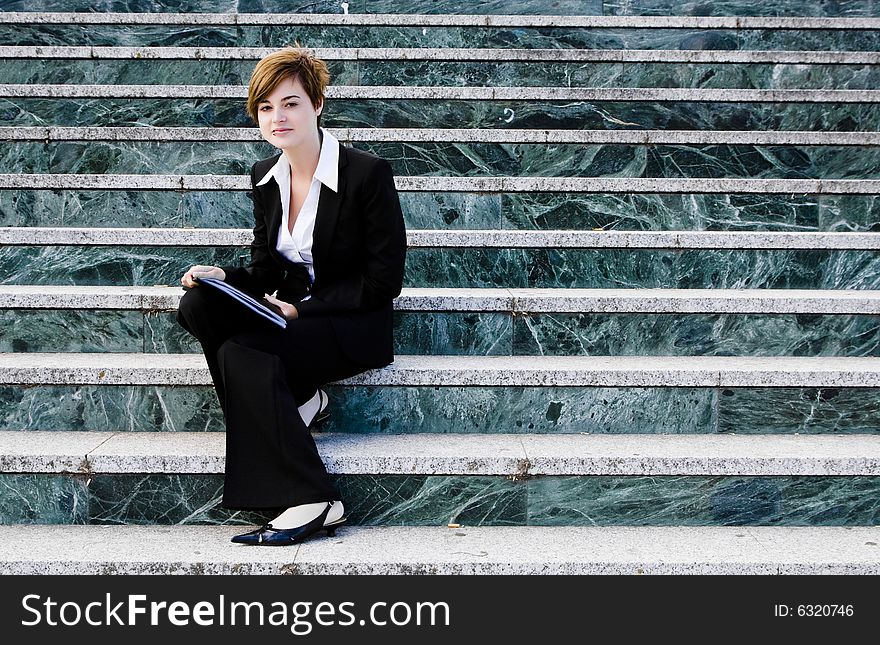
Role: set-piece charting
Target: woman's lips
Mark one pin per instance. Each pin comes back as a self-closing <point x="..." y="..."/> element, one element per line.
<point x="280" y="131"/>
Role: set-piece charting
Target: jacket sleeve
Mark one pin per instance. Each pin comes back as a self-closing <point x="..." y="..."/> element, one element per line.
<point x="262" y="275"/>
<point x="378" y="275"/>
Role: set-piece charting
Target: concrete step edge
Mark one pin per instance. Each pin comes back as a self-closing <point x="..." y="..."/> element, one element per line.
<point x="508" y="455"/>
<point x="457" y="93"/>
<point x="525" y="301"/>
<point x="446" y="20"/>
<point x="453" y="135"/>
<point x="422" y="184"/>
<point x="401" y="54"/>
<point x="460" y="238"/>
<point x="547" y="550"/>
<point x="487" y="371"/>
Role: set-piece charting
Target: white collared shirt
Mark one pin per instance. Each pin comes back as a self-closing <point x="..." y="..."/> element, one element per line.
<point x="296" y="246"/>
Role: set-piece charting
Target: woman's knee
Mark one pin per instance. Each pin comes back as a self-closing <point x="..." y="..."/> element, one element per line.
<point x="194" y="306"/>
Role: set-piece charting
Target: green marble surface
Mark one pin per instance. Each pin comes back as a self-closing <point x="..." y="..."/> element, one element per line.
<point x="551" y="7"/>
<point x="413" y="36"/>
<point x="835" y="9"/>
<point x="522" y="410"/>
<point x="134" y="331"/>
<point x="466" y="500"/>
<point x="797" y="410"/>
<point x="648" y="268"/>
<point x="463" y="159"/>
<point x="38" y="330"/>
<point x="485" y="333"/>
<point x="569" y="7"/>
<point x="110" y="409"/>
<point x="456" y="211"/>
<point x="43" y="499"/>
<point x="601" y="410"/>
<point x="196" y="209"/>
<point x="163" y="499"/>
<point x="410" y="113"/>
<point x="704" y="501"/>
<point x="432" y="73"/>
<point x="369" y="499"/>
<point x="185" y="6"/>
<point x="479" y="267"/>
<point x="108" y="265"/>
<point x="736" y="212"/>
<point x="125" y="209"/>
<point x="433" y="500"/>
<point x="697" y="335"/>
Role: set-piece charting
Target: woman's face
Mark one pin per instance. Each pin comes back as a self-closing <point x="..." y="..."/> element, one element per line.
<point x="287" y="117"/>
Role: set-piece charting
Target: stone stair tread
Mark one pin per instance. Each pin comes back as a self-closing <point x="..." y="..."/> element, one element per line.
<point x="456" y="54"/>
<point x="437" y="20"/>
<point x="637" y="300"/>
<point x="454" y="93"/>
<point x="463" y="135"/>
<point x="459" y="184"/>
<point x="460" y="238"/>
<point x="110" y="368"/>
<point x="511" y="455"/>
<point x="548" y="550"/>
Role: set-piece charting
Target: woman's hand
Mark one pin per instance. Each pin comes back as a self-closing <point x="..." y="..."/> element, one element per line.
<point x="200" y="271"/>
<point x="287" y="309"/>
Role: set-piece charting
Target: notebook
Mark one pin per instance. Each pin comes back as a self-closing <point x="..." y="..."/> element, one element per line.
<point x="262" y="307"/>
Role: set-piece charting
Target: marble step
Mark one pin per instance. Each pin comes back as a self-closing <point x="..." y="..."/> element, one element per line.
<point x="811" y="28"/>
<point x="513" y="455"/>
<point x="142" y="478"/>
<point x="759" y="17"/>
<point x="439" y="238"/>
<point x="200" y="550"/>
<point x="469" y="258"/>
<point x="644" y="68"/>
<point x="546" y="409"/>
<point x="477" y="267"/>
<point x="489" y="371"/>
<point x="462" y="55"/>
<point x="414" y="92"/>
<point x="452" y="135"/>
<point x="601" y="213"/>
<point x="613" y="160"/>
<point x="608" y="185"/>
<point x="512" y="301"/>
<point x="541" y="112"/>
<point x="689" y="35"/>
<point x="749" y="322"/>
<point x="721" y="69"/>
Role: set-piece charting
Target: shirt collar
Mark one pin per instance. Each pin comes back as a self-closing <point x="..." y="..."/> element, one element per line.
<point x="327" y="171"/>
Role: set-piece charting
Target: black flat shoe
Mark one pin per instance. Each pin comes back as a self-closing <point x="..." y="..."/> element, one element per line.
<point x="268" y="536"/>
<point x="332" y="526"/>
<point x="323" y="413"/>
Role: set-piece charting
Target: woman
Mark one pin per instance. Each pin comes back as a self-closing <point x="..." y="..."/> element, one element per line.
<point x="328" y="250"/>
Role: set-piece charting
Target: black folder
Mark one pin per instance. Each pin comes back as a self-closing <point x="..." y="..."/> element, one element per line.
<point x="261" y="307"/>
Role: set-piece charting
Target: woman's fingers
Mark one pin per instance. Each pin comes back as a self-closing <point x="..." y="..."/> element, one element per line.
<point x="201" y="271"/>
<point x="287" y="309"/>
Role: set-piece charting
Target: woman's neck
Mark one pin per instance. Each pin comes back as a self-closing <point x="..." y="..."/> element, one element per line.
<point x="304" y="158"/>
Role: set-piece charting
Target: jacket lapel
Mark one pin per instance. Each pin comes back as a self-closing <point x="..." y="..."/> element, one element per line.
<point x="329" y="205"/>
<point x="272" y="204"/>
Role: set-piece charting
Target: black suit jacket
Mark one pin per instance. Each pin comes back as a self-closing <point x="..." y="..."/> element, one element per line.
<point x="358" y="253"/>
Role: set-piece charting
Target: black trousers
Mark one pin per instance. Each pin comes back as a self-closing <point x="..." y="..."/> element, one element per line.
<point x="261" y="374"/>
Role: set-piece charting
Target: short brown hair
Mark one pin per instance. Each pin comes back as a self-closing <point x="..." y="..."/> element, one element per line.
<point x="290" y="62"/>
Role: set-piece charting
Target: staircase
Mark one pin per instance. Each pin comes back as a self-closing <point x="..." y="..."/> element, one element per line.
<point x="640" y="328"/>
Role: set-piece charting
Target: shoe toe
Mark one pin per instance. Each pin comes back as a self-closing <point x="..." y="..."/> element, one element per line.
<point x="251" y="537"/>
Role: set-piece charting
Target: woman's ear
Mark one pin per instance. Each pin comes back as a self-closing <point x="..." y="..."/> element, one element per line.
<point x="320" y="108"/>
